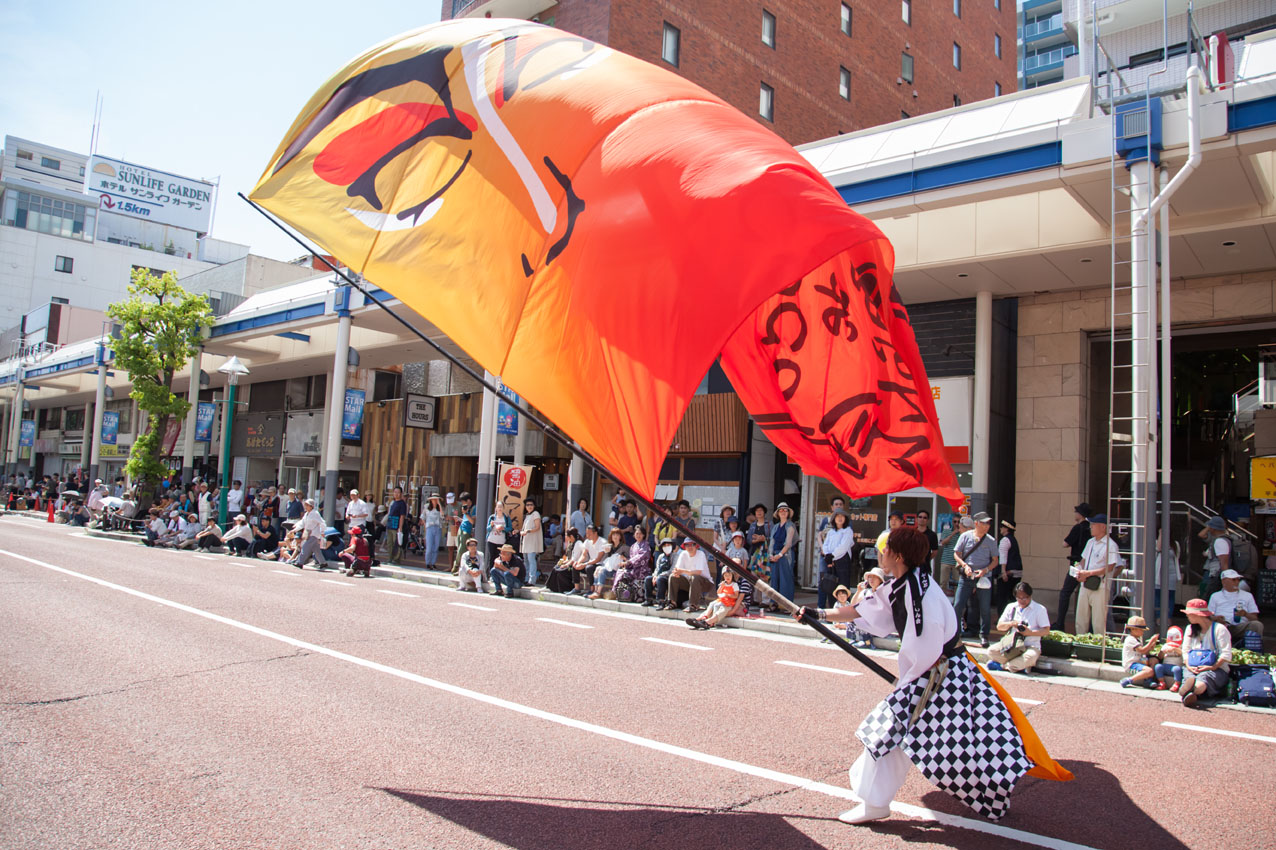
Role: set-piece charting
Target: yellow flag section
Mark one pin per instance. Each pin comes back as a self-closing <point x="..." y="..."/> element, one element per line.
<point x="1046" y="767"/>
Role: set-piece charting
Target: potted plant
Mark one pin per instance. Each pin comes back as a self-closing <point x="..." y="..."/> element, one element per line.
<point x="1089" y="647"/>
<point x="1057" y="645"/>
<point x="1112" y="650"/>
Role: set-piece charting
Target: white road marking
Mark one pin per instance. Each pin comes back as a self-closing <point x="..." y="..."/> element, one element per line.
<point x="208" y="557"/>
<point x="283" y="572"/>
<point x="474" y="607"/>
<point x="397" y="593"/>
<point x="564" y="623"/>
<point x="338" y="583"/>
<point x="1023" y="701"/>
<point x="679" y="643"/>
<point x="1227" y="732"/>
<point x="821" y="669"/>
<point x="593" y="728"/>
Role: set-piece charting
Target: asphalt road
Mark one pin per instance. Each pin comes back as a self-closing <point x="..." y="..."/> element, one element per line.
<point x="155" y="699"/>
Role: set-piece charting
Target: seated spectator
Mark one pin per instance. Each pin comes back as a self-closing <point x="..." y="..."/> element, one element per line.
<point x="286" y="550"/>
<point x="1207" y="653"/>
<point x="1171" y="661"/>
<point x="872" y="581"/>
<point x="1024" y="623"/>
<point x="592" y="554"/>
<point x="330" y="549"/>
<point x="726" y="605"/>
<point x="1135" y="661"/>
<point x="632" y="576"/>
<point x="80" y="515"/>
<point x="239" y="536"/>
<point x="265" y="540"/>
<point x="617" y="558"/>
<point x="357" y="556"/>
<point x="470" y="575"/>
<point x="187" y="528"/>
<point x="1235" y="608"/>
<point x="507" y="572"/>
<point x="656" y="587"/>
<point x="690" y="571"/>
<point x="157" y="531"/>
<point x="561" y="577"/>
<point x="210" y="536"/>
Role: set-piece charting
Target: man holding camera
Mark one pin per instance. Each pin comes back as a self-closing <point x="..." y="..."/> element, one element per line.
<point x="1024" y="623"/>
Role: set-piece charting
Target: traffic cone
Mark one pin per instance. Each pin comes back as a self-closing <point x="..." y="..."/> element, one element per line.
<point x="50" y="503"/>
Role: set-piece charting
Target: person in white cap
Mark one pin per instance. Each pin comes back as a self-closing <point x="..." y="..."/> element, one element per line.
<point x="311" y="528"/>
<point x="357" y="512"/>
<point x="238" y="536"/>
<point x="1235" y="608"/>
<point x="452" y="524"/>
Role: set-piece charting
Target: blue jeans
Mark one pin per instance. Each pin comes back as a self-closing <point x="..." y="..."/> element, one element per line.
<point x="1156" y="606"/>
<point x="965" y="589"/>
<point x="1165" y="671"/>
<point x="533" y="569"/>
<point x="782" y="577"/>
<point x="506" y="580"/>
<point x="433" y="536"/>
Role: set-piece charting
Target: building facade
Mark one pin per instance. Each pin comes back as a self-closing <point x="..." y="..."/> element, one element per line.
<point x="808" y="69"/>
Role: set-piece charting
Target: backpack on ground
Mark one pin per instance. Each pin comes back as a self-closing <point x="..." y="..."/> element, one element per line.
<point x="1254" y="685"/>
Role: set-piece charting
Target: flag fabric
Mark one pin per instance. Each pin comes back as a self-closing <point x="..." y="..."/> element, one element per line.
<point x="594" y="229"/>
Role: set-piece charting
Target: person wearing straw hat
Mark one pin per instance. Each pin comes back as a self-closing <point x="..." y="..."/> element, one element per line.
<point x="507" y="572"/>
<point x="944" y="715"/>
<point x="783" y="539"/>
<point x="1207" y="653"/>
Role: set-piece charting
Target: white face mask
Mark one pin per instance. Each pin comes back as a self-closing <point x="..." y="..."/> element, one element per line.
<point x="667" y="549"/>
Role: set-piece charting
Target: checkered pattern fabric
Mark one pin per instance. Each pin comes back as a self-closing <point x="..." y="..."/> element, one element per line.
<point x="964" y="741"/>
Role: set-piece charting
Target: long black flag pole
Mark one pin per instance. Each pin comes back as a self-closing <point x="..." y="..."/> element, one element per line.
<point x="568" y="443"/>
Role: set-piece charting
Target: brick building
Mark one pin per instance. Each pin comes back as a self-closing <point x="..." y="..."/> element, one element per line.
<point x="809" y="69"/>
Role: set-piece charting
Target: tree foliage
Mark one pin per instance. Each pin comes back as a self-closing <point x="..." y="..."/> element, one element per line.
<point x="161" y="330"/>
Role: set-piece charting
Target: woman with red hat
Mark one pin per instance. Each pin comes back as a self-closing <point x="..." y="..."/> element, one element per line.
<point x="1207" y="651"/>
<point x="356" y="556"/>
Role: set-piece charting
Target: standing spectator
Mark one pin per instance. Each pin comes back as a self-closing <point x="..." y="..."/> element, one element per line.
<point x="1076" y="541"/>
<point x="531" y="541"/>
<point x="239" y="536"/>
<point x="432" y="521"/>
<point x="264" y="538"/>
<point x="627" y="519"/>
<point x="722" y="527"/>
<point x="736" y="548"/>
<point x="294" y="509"/>
<point x="656" y="587"/>
<point x="507" y="572"/>
<point x="1011" y="565"/>
<point x="465" y="521"/>
<point x="498" y="526"/>
<point x="451" y="527"/>
<point x="756" y="539"/>
<point x="1099" y="559"/>
<point x="783" y="539"/>
<point x="339" y="511"/>
<point x="203" y="502"/>
<point x="394" y="522"/>
<point x="932" y="539"/>
<point x="270" y="508"/>
<point x="835" y="569"/>
<point x="948" y="570"/>
<point x="1207" y="653"/>
<point x="1218" y="554"/>
<point x="976" y="556"/>
<point x="470" y="571"/>
<point x="1027" y="619"/>
<point x="358" y="513"/>
<point x="1175" y="574"/>
<point x="1235" y="608"/>
<point x="310" y="531"/>
<point x="580" y="518"/>
<point x="692" y="572"/>
<point x="235" y="497"/>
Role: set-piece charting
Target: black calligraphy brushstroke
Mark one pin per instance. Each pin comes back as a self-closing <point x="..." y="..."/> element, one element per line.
<point x="792" y="289"/>
<point x="515" y="67"/>
<point x="911" y="469"/>
<point x="904" y="391"/>
<point x="834" y="317"/>
<point x="844" y="407"/>
<point x="918" y="442"/>
<point x="575" y="206"/>
<point x="785" y="365"/>
<point x="772" y="336"/>
<point x="864" y="276"/>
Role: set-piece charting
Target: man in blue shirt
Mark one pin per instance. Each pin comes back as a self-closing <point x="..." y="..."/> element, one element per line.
<point x="976" y="556"/>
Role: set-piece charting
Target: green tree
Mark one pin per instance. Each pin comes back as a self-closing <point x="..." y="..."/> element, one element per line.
<point x="162" y="327"/>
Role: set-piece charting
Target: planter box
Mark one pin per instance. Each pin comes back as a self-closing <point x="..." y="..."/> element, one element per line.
<point x="1086" y="652"/>
<point x="1055" y="648"/>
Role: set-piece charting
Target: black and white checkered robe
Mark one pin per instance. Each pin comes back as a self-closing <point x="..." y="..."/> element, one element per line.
<point x="964" y="741"/>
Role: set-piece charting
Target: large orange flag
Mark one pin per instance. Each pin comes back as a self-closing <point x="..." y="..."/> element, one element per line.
<point x="587" y="225"/>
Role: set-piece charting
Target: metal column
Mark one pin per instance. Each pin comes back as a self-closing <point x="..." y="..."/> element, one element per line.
<point x="188" y="444"/>
<point x="336" y="403"/>
<point x="982" y="402"/>
<point x="99" y="404"/>
<point x="485" y="492"/>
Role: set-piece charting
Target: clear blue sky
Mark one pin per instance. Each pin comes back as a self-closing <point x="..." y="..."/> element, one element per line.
<point x="202" y="90"/>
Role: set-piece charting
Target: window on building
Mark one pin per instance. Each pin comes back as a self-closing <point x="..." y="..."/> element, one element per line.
<point x="81" y="170"/>
<point x="766" y="102"/>
<point x="996" y="89"/>
<point x="906" y="11"/>
<point x="768" y="29"/>
<point x="671" y="44"/>
<point x="385" y="385"/>
<point x="48" y="215"/>
<point x="957" y="56"/>
<point x="267" y="396"/>
<point x="124" y="407"/>
<point x="50" y="162"/>
<point x="306" y="393"/>
<point x="996" y="45"/>
<point x="996" y="4"/>
<point x="846" y="19"/>
<point x="154" y="272"/>
<point x="63" y="264"/>
<point x="957" y="8"/>
<point x="74" y="419"/>
<point x="903" y="114"/>
<point x="50" y="419"/>
<point x="844" y="83"/>
<point x="906" y="67"/>
<point x="27" y="155"/>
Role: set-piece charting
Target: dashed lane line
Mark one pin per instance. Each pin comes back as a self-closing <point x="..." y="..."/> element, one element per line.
<point x="397" y="593"/>
<point x="820" y="669"/>
<point x="285" y="572"/>
<point x="679" y="643"/>
<point x="1226" y="732"/>
<point x="563" y="623"/>
<point x="472" y="607"/>
<point x="1023" y="701"/>
<point x="791" y="780"/>
<point x="208" y="557"/>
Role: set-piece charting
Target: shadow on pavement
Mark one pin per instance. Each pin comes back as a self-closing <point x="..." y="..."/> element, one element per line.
<point x="1092" y="810"/>
<point x="583" y="825"/>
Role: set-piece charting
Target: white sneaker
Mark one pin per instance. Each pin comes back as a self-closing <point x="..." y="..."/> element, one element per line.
<point x="863" y="813"/>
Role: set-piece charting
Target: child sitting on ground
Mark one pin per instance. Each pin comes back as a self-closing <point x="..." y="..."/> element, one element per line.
<point x="872" y="581"/>
<point x="1171" y="661"/>
<point x="1134" y="656"/>
<point x="724" y="606"/>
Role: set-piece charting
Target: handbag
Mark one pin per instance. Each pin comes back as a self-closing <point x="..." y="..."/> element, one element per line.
<point x="392" y="523"/>
<point x="1202" y="657"/>
<point x="828" y="582"/>
<point x="1010" y="646"/>
<point x="1093" y="582"/>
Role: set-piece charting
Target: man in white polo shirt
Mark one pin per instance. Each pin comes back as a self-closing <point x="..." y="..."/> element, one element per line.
<point x="1235" y="608"/>
<point x="1031" y="622"/>
<point x="1099" y="559"/>
<point x="358" y="511"/>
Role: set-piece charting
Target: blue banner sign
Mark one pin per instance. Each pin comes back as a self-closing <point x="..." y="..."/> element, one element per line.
<point x="26" y="436"/>
<point x="204" y="416"/>
<point x="506" y="415"/>
<point x="110" y="427"/>
<point x="352" y="416"/>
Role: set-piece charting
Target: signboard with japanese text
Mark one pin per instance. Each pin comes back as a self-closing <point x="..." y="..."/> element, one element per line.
<point x="110" y="427"/>
<point x="204" y="416"/>
<point x="257" y="435"/>
<point x="148" y="194"/>
<point x="1262" y="478"/>
<point x="352" y="415"/>
<point x="512" y="484"/>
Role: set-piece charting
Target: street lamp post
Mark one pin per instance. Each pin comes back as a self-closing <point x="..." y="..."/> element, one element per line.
<point x="232" y="369"/>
